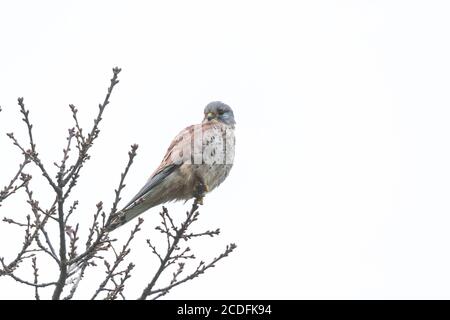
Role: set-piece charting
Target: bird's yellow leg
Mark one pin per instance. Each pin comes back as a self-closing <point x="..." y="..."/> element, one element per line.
<point x="199" y="200"/>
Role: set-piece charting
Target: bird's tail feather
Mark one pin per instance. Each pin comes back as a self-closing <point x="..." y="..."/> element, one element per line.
<point x="126" y="215"/>
<point x="144" y="200"/>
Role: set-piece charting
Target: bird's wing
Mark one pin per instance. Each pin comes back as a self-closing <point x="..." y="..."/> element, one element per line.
<point x="167" y="166"/>
<point x="154" y="180"/>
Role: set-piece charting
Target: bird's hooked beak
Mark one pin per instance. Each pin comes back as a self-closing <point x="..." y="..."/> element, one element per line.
<point x="210" y="116"/>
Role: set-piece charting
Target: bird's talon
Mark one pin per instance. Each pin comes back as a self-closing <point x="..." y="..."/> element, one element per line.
<point x="199" y="192"/>
<point x="199" y="200"/>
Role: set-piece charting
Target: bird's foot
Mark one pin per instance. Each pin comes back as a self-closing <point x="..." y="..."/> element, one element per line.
<point x="199" y="192"/>
<point x="199" y="200"/>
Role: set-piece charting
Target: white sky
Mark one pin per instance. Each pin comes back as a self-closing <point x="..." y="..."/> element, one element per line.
<point x="341" y="181"/>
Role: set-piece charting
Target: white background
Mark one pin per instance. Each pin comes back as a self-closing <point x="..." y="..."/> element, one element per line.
<point x="341" y="181"/>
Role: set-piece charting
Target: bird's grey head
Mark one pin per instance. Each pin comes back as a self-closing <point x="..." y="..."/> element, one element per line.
<point x="219" y="111"/>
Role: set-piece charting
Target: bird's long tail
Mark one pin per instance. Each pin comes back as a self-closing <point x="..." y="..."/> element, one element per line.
<point x="145" y="199"/>
<point x="125" y="215"/>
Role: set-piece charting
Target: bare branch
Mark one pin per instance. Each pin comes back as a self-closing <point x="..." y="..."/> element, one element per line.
<point x="28" y="240"/>
<point x="36" y="275"/>
<point x="119" y="258"/>
<point x="113" y="213"/>
<point x="119" y="287"/>
<point x="75" y="282"/>
<point x="35" y="208"/>
<point x="102" y="232"/>
<point x="174" y="254"/>
<point x="72" y="176"/>
<point x="202" y="267"/>
<point x="32" y="153"/>
<point x="11" y="187"/>
<point x="83" y="153"/>
<point x="79" y="133"/>
<point x="28" y="283"/>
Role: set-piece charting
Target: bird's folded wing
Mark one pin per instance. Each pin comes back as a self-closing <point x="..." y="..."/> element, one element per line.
<point x="151" y="183"/>
<point x="180" y="143"/>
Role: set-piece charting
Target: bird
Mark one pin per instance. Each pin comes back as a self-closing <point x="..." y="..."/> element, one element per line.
<point x="197" y="161"/>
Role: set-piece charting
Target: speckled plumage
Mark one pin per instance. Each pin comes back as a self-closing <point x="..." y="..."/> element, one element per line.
<point x="197" y="161"/>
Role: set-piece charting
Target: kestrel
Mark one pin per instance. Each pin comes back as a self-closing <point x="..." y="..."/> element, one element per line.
<point x="196" y="162"/>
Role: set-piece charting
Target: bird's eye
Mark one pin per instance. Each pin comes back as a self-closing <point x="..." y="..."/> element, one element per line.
<point x="221" y="111"/>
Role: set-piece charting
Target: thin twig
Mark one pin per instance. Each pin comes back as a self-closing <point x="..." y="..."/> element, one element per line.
<point x="171" y="248"/>
<point x="10" y="188"/>
<point x="36" y="275"/>
<point x="119" y="258"/>
<point x="200" y="270"/>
